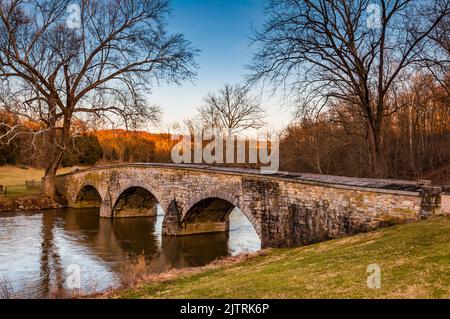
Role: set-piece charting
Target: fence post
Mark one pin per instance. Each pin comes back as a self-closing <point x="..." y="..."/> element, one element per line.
<point x="431" y="201"/>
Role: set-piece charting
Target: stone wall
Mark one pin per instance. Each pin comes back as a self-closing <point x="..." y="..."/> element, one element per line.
<point x="284" y="211"/>
<point x="309" y="213"/>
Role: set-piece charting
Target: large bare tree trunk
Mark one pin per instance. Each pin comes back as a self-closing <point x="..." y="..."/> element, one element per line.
<point x="412" y="161"/>
<point x="376" y="161"/>
<point x="56" y="151"/>
<point x="50" y="174"/>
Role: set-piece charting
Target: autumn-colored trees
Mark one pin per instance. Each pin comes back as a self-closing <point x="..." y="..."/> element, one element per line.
<point x="84" y="150"/>
<point x="416" y="138"/>
<point x="123" y="146"/>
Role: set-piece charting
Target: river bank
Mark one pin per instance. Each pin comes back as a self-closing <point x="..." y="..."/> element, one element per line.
<point x="413" y="260"/>
<point x="27" y="203"/>
<point x="13" y="182"/>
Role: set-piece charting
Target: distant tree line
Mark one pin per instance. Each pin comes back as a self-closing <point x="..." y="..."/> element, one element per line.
<point x="83" y="149"/>
<point x="90" y="148"/>
<point x="134" y="146"/>
<point x="415" y="139"/>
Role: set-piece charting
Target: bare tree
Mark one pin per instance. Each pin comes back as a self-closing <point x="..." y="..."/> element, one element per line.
<point x="232" y="109"/>
<point x="437" y="58"/>
<point x="62" y="61"/>
<point x="338" y="51"/>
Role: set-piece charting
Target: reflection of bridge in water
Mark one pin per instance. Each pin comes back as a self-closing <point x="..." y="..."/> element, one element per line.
<point x="79" y="236"/>
<point x="285" y="209"/>
<point x="125" y="238"/>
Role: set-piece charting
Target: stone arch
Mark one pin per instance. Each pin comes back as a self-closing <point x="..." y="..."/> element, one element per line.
<point x="87" y="196"/>
<point x="154" y="198"/>
<point x="219" y="194"/>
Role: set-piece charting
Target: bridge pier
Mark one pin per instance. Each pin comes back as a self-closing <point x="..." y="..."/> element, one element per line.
<point x="106" y="208"/>
<point x="204" y="227"/>
<point x="172" y="217"/>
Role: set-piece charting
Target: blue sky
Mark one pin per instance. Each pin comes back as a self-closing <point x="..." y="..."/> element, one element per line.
<point x="221" y="30"/>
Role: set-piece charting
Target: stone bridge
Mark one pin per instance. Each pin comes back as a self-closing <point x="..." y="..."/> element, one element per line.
<point x="285" y="209"/>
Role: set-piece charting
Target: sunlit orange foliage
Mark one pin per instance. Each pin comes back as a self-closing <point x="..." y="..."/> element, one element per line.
<point x="135" y="146"/>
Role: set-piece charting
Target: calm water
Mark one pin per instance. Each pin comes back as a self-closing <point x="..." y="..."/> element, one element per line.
<point x="38" y="251"/>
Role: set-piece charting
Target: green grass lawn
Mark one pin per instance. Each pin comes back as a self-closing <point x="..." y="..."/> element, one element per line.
<point x="414" y="261"/>
<point x="14" y="178"/>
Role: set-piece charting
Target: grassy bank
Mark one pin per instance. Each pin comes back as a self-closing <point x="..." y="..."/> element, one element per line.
<point x="414" y="261"/>
<point x="13" y="178"/>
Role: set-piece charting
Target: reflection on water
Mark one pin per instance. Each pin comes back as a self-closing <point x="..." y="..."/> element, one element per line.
<point x="37" y="249"/>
